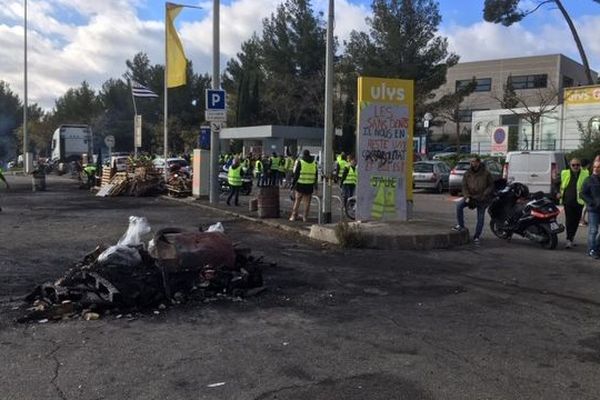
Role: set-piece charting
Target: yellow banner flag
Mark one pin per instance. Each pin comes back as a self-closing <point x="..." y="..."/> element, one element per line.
<point x="176" y="61"/>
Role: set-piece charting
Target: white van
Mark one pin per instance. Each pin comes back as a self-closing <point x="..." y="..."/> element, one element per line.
<point x="539" y="170"/>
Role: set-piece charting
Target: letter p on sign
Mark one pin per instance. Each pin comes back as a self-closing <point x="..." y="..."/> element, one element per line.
<point x="215" y="99"/>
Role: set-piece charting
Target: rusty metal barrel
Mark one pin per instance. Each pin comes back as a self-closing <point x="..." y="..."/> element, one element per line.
<point x="268" y="202"/>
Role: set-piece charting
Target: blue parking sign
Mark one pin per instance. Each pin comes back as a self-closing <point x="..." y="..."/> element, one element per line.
<point x="215" y="99"/>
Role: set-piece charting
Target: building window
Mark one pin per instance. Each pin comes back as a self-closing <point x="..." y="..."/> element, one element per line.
<point x="568" y="82"/>
<point x="467" y="115"/>
<point x="482" y="85"/>
<point x="529" y="81"/>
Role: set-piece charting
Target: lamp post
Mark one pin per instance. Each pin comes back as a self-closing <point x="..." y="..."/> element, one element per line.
<point x="216" y="83"/>
<point x="26" y="157"/>
<point x="328" y="126"/>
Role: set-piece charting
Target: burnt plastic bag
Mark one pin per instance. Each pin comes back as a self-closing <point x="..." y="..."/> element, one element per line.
<point x="124" y="256"/>
<point x="125" y="252"/>
<point x="138" y="227"/>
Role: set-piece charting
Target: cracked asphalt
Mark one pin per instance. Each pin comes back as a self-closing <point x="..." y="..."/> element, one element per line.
<point x="498" y="321"/>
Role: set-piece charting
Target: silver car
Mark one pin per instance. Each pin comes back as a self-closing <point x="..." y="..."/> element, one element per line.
<point x="456" y="175"/>
<point x="432" y="175"/>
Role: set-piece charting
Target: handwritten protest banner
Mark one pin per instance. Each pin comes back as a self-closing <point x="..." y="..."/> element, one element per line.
<point x="384" y="148"/>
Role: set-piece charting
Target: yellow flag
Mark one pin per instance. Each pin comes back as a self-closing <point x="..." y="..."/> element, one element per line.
<point x="176" y="61"/>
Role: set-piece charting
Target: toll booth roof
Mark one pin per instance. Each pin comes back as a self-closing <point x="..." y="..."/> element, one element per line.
<point x="272" y="131"/>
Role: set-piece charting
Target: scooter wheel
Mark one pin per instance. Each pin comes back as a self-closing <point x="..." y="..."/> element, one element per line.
<point x="550" y="239"/>
<point x="496" y="228"/>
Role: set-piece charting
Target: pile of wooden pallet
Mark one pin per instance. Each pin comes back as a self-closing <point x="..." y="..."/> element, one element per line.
<point x="116" y="186"/>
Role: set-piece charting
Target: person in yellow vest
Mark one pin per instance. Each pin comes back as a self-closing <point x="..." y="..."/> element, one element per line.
<point x="288" y="169"/>
<point x="349" y="179"/>
<point x="90" y="173"/>
<point x="258" y="171"/>
<point x="304" y="183"/>
<point x="234" y="179"/>
<point x="275" y="174"/>
<point x="571" y="182"/>
<point x="340" y="166"/>
<point x="3" y="179"/>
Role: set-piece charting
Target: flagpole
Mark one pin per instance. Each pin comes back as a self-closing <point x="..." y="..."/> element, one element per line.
<point x="166" y="110"/>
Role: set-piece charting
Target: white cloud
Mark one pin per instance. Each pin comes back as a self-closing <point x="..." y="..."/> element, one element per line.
<point x="75" y="40"/>
<point x="482" y="40"/>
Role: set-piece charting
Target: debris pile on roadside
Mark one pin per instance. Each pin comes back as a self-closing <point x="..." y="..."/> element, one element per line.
<point x="143" y="181"/>
<point x="178" y="266"/>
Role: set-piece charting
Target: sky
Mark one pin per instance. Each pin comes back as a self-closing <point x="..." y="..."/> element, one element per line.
<point x="70" y="41"/>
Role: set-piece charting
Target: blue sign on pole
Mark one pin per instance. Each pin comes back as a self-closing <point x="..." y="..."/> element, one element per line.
<point x="215" y="99"/>
<point x="204" y="138"/>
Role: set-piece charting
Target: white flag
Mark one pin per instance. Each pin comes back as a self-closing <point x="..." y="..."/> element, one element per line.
<point x="140" y="90"/>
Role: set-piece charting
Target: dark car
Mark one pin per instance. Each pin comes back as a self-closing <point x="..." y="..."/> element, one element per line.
<point x="456" y="175"/>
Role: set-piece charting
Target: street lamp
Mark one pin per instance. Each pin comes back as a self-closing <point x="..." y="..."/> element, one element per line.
<point x="216" y="83"/>
<point x="26" y="156"/>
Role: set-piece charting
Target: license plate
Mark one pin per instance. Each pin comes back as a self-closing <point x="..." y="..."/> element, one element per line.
<point x="556" y="227"/>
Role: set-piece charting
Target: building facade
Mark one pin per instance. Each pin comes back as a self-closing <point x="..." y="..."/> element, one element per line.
<point x="534" y="79"/>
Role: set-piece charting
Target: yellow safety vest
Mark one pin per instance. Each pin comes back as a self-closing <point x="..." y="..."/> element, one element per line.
<point x="384" y="201"/>
<point x="565" y="178"/>
<point x="352" y="177"/>
<point x="275" y="163"/>
<point x="234" y="176"/>
<point x="341" y="166"/>
<point x="308" y="172"/>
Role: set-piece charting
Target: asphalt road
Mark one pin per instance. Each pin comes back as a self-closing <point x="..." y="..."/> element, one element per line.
<point x="498" y="321"/>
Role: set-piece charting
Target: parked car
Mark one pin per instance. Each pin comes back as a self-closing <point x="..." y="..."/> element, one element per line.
<point x="456" y="175"/>
<point x="159" y="164"/>
<point x="432" y="175"/>
<point x="451" y="151"/>
<point x="538" y="170"/>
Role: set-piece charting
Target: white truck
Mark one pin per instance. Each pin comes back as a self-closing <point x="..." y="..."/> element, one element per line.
<point x="70" y="142"/>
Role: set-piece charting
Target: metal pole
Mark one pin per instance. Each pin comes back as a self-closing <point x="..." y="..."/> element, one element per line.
<point x="214" y="134"/>
<point x="166" y="104"/>
<point x="134" y="119"/>
<point x="328" y="139"/>
<point x="25" y="136"/>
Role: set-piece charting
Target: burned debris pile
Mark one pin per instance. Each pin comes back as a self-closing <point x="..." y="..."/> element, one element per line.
<point x="178" y="266"/>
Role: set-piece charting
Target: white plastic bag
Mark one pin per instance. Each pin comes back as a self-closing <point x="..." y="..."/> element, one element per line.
<point x="138" y="226"/>
<point x="218" y="227"/>
<point x="125" y="252"/>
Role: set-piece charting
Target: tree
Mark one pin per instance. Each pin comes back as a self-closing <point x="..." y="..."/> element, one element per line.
<point x="11" y="115"/>
<point x="244" y="81"/>
<point x="449" y="107"/>
<point x="402" y="43"/>
<point x="509" y="96"/>
<point x="77" y="106"/>
<point x="533" y="107"/>
<point x="507" y="12"/>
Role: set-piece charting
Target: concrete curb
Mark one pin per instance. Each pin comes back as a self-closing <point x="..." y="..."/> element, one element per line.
<point x="396" y="240"/>
<point x="377" y="235"/>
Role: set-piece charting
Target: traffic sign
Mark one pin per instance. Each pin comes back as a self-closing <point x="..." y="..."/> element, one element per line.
<point x="215" y="99"/>
<point x="109" y="141"/>
<point x="215" y="115"/>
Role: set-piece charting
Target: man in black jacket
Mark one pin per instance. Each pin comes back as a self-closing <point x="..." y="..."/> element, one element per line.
<point x="590" y="193"/>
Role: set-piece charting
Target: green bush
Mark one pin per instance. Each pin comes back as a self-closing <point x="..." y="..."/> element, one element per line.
<point x="350" y="236"/>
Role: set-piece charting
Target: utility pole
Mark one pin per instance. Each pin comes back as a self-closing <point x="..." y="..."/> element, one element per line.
<point x="26" y="158"/>
<point x="214" y="135"/>
<point x="328" y="129"/>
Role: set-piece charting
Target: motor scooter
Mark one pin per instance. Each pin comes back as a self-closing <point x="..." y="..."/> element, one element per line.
<point x="514" y="211"/>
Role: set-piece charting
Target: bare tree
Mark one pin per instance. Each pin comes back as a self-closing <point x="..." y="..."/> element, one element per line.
<point x="531" y="108"/>
<point x="450" y="105"/>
